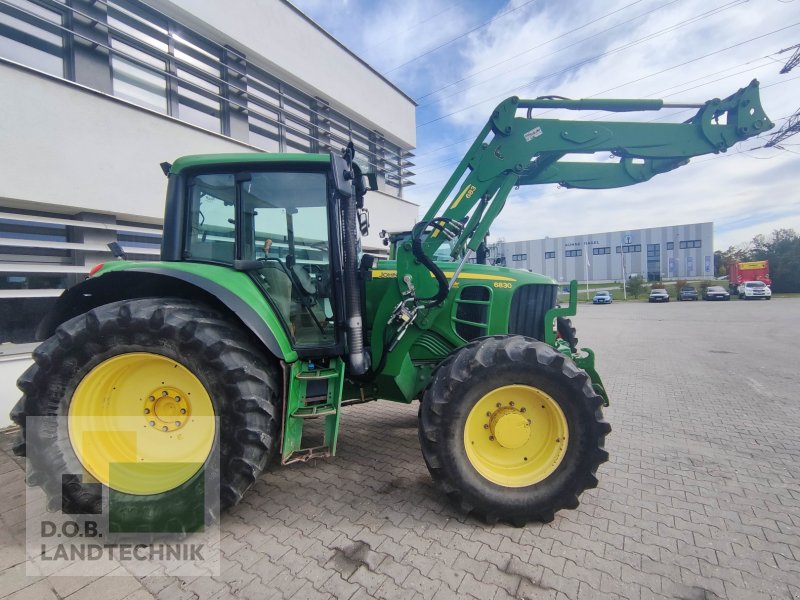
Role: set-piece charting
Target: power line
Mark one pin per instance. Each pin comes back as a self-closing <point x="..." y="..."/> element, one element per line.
<point x="470" y="138"/>
<point x="704" y="79"/>
<point x="722" y="155"/>
<point x="419" y="23"/>
<point x="592" y="22"/>
<point x="790" y="128"/>
<point x="608" y="53"/>
<point x="793" y="61"/>
<point x="458" y="37"/>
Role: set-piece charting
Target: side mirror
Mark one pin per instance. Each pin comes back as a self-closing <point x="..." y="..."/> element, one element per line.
<point x="342" y="175"/>
<point x="363" y="221"/>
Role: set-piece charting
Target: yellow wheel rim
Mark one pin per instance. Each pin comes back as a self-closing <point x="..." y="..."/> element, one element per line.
<point x="516" y="436"/>
<point x="141" y="423"/>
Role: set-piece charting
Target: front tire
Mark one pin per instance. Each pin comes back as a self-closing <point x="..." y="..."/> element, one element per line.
<point x="511" y="429"/>
<point x="154" y="363"/>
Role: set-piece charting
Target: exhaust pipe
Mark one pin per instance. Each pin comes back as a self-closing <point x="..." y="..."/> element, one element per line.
<point x="358" y="359"/>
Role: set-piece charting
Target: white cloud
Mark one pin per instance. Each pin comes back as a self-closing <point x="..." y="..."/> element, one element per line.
<point x="732" y="191"/>
<point x="743" y="194"/>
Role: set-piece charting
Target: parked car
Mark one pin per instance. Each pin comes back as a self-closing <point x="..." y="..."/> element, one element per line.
<point x="716" y="292"/>
<point x="602" y="297"/>
<point x="658" y="295"/>
<point x="687" y="293"/>
<point x="752" y="290"/>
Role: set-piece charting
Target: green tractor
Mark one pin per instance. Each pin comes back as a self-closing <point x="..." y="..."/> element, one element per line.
<point x="263" y="314"/>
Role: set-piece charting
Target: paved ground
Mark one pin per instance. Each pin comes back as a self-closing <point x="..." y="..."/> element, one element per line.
<point x="701" y="498"/>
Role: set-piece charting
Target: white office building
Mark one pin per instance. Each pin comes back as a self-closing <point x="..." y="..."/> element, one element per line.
<point x="96" y="94"/>
<point x="655" y="254"/>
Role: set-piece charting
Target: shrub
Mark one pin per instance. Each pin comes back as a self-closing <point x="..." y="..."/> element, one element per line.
<point x="635" y="286"/>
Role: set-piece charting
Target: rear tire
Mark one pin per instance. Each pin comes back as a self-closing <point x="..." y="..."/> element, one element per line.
<point x="510" y="478"/>
<point x="169" y="335"/>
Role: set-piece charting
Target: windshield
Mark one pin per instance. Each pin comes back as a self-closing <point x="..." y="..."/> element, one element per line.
<point x="280" y="218"/>
<point x="755" y="284"/>
<point x="716" y="289"/>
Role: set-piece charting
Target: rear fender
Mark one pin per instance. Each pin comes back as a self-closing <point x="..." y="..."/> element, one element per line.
<point x="150" y="282"/>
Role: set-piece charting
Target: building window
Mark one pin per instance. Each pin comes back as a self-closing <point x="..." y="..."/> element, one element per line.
<point x="653" y="250"/>
<point x="160" y="65"/>
<point x="690" y="244"/>
<point x="601" y="251"/>
<point x="30" y="34"/>
<point x="573" y="253"/>
<point x="549" y="254"/>
<point x="519" y="257"/>
<point x="629" y="248"/>
<point x="670" y="245"/>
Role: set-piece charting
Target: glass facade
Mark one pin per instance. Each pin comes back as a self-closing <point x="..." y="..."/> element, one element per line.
<point x="155" y="62"/>
<point x="653" y="262"/>
<point x="131" y="51"/>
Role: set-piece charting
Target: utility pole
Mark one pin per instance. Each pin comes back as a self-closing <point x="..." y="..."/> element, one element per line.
<point x="586" y="274"/>
<point x="790" y="128"/>
<point x="624" y="281"/>
<point x="793" y="61"/>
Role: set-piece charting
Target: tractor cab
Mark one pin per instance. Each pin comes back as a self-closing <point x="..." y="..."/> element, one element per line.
<point x="275" y="225"/>
<point x="277" y="219"/>
<point x="288" y="226"/>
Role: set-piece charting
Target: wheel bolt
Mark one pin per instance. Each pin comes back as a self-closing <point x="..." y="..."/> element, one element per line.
<point x="486" y="427"/>
<point x="177" y="398"/>
<point x="152" y="398"/>
<point x="165" y="428"/>
<point x="529" y="421"/>
<point x="491" y="438"/>
<point x="488" y="414"/>
<point x="498" y="405"/>
<point x="178" y="423"/>
<point x="523" y="409"/>
<point x="147" y="411"/>
<point x="164" y="393"/>
<point x="183" y="411"/>
<point x="152" y="423"/>
<point x="511" y="403"/>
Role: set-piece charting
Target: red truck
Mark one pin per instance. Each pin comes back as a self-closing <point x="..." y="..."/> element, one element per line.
<point x="738" y="273"/>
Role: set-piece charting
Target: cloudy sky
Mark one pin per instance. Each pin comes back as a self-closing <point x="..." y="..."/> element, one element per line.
<point x="458" y="59"/>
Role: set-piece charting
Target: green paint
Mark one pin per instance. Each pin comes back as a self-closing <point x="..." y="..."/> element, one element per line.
<point x="509" y="151"/>
<point x="314" y="392"/>
<point x="256" y="159"/>
<point x="235" y="281"/>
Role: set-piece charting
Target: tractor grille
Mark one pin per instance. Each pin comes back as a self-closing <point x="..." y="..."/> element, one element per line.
<point x="528" y="307"/>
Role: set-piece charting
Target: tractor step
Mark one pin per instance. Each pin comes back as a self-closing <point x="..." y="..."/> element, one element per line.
<point x="314" y="391"/>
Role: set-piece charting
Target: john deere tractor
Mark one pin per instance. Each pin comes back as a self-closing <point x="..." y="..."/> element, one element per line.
<point x="263" y="314"/>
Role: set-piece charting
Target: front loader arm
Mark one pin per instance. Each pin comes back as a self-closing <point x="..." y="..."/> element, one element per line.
<point x="597" y="176"/>
<point x="513" y="150"/>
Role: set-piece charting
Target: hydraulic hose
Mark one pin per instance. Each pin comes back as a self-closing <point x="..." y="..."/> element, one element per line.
<point x="419" y="254"/>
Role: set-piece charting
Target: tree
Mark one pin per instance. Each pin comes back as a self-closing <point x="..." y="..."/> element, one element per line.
<point x="782" y="250"/>
<point x="635" y="286"/>
<point x="722" y="258"/>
